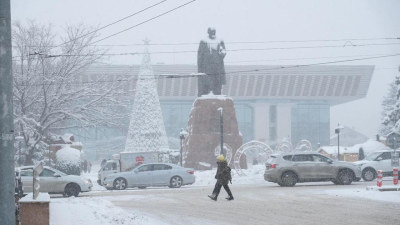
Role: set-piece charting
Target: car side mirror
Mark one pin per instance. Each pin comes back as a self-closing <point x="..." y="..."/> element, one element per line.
<point x="379" y="159"/>
<point x="330" y="161"/>
<point x="136" y="171"/>
<point x="57" y="175"/>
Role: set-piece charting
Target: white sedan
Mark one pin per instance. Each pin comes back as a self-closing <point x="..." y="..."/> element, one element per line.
<point x="154" y="174"/>
<point x="53" y="181"/>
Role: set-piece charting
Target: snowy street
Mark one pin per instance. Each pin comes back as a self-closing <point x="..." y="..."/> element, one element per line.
<point x="307" y="203"/>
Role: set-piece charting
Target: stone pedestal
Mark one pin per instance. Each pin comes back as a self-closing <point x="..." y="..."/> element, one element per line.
<point x="204" y="132"/>
<point x="35" y="212"/>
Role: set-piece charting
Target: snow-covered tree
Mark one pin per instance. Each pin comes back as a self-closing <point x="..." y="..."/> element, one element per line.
<point x="391" y="109"/>
<point x="146" y="128"/>
<point x="48" y="93"/>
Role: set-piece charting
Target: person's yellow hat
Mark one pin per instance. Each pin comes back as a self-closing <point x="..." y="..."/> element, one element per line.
<point x="221" y="157"/>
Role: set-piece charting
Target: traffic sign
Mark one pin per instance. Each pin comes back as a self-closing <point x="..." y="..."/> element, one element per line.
<point x="395" y="159"/>
<point x="393" y="140"/>
<point x="36" y="171"/>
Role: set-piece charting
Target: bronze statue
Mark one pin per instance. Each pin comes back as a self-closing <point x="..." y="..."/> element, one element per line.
<point x="210" y="60"/>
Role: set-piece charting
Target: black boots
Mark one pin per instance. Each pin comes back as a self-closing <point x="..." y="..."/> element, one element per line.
<point x="213" y="197"/>
<point x="230" y="198"/>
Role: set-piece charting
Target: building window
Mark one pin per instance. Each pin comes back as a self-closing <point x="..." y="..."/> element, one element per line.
<point x="272" y="134"/>
<point x="272" y="113"/>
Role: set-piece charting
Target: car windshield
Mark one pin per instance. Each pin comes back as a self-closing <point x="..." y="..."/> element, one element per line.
<point x="372" y="156"/>
<point x="59" y="172"/>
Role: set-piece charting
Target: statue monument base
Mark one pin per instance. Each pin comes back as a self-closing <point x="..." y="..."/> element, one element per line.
<point x="202" y="145"/>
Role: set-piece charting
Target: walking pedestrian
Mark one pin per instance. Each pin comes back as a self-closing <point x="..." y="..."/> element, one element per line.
<point x="223" y="176"/>
<point x="103" y="162"/>
<point x="85" y="166"/>
<point x="89" y="166"/>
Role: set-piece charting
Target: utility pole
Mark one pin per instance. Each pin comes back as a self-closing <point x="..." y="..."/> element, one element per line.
<point x="222" y="129"/>
<point x="7" y="172"/>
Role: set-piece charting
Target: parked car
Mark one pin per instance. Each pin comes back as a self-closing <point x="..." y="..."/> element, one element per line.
<point x="53" y="181"/>
<point x="287" y="169"/>
<point x="379" y="160"/>
<point x="153" y="174"/>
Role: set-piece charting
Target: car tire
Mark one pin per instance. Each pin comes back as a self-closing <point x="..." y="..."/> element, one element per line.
<point x="335" y="182"/>
<point x="176" y="182"/>
<point x="142" y="187"/>
<point x="356" y="179"/>
<point x="120" y="184"/>
<point x="345" y="177"/>
<point x="71" y="190"/>
<point x="368" y="174"/>
<point x="288" y="179"/>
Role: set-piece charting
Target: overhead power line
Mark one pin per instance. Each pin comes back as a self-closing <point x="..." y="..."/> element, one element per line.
<point x="173" y="76"/>
<point x="232" y="50"/>
<point x="246" y="42"/>
<point x="94" y="31"/>
<point x="146" y="21"/>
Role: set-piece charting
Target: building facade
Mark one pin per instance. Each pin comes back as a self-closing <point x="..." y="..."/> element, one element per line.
<point x="271" y="102"/>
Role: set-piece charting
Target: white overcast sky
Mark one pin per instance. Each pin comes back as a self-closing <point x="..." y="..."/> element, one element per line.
<point x="246" y="21"/>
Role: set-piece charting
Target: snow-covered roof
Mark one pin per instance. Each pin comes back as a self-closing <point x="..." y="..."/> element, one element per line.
<point x="370" y="146"/>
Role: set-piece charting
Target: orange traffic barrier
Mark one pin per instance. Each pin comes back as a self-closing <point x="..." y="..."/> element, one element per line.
<point x="395" y="175"/>
<point x="379" y="180"/>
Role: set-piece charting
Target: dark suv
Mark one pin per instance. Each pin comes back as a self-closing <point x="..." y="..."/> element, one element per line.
<point x="287" y="169"/>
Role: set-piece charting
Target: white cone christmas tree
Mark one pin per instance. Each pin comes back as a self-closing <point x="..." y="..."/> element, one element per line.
<point x="146" y="129"/>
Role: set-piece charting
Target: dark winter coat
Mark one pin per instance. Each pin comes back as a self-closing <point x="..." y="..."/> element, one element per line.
<point x="223" y="175"/>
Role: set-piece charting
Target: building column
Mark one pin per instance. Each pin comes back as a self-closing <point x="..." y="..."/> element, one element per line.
<point x="284" y="121"/>
<point x="261" y="121"/>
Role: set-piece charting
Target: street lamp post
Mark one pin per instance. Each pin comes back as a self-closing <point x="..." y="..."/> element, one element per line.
<point x="222" y="129"/>
<point x="337" y="131"/>
<point x="182" y="135"/>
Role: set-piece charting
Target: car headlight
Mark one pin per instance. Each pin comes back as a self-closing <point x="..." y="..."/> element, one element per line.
<point x="88" y="181"/>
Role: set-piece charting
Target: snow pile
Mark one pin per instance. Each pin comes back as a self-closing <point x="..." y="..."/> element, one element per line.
<point x="69" y="160"/>
<point x="88" y="211"/>
<point x="255" y="175"/>
<point x="386" y="196"/>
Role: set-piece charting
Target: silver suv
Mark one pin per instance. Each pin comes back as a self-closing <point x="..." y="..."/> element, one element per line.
<point x="287" y="169"/>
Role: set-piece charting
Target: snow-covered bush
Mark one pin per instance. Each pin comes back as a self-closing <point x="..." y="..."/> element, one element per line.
<point x="69" y="160"/>
<point x="168" y="155"/>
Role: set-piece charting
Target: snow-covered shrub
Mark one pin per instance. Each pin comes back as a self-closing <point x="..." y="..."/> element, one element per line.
<point x="168" y="155"/>
<point x="69" y="160"/>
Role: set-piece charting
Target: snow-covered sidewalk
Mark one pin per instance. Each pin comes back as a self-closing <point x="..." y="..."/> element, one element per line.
<point x="93" y="211"/>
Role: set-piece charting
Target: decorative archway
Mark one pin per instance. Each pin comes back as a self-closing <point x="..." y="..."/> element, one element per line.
<point x="246" y="147"/>
<point x="284" y="146"/>
<point x="227" y="150"/>
<point x="304" y="146"/>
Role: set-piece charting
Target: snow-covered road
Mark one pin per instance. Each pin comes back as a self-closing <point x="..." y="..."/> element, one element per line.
<point x="307" y="203"/>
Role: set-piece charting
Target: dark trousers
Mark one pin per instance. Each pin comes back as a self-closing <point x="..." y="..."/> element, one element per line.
<point x="217" y="189"/>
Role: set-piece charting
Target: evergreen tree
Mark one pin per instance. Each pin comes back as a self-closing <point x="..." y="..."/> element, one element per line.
<point x="361" y="154"/>
<point x="391" y="109"/>
<point x="146" y="129"/>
